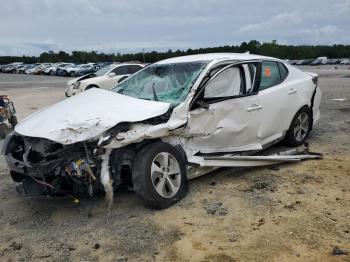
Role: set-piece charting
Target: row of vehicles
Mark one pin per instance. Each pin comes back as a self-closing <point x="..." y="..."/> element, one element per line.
<point x="60" y="69"/>
<point x="321" y="61"/>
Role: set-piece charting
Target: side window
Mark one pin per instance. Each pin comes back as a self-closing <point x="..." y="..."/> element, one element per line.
<point x="270" y="75"/>
<point x="121" y="70"/>
<point x="225" y="84"/>
<point x="250" y="72"/>
<point x="283" y="71"/>
<point x="134" y="69"/>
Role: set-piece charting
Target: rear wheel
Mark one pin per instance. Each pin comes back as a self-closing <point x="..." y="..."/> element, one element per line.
<point x="299" y="128"/>
<point x="52" y="73"/>
<point x="159" y="175"/>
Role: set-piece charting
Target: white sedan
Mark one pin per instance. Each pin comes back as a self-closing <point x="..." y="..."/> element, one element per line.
<point x="169" y="122"/>
<point x="105" y="78"/>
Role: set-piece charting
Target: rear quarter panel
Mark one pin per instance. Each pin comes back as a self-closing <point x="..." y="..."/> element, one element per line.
<point x="301" y="82"/>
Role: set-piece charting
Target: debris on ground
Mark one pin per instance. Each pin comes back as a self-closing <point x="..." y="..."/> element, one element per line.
<point x="16" y="246"/>
<point x="214" y="208"/>
<point x="338" y="251"/>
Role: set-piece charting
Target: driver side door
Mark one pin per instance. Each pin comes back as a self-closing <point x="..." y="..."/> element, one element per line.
<point x="229" y="116"/>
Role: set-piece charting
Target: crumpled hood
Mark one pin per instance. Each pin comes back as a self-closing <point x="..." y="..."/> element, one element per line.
<point x="87" y="115"/>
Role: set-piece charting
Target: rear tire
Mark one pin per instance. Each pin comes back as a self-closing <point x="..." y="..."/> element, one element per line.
<point x="52" y="73"/>
<point x="159" y="175"/>
<point x="300" y="127"/>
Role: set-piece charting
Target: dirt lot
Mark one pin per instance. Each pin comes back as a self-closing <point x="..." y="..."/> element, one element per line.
<point x="293" y="212"/>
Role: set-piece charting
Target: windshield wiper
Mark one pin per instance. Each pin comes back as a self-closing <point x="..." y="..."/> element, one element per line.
<point x="155" y="97"/>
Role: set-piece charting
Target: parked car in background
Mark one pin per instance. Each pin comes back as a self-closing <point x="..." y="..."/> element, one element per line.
<point x="37" y="69"/>
<point x="320" y="61"/>
<point x="104" y="78"/>
<point x="171" y="121"/>
<point x="21" y="69"/>
<point x="334" y="61"/>
<point x="345" y="62"/>
<point x="62" y="70"/>
<point x="52" y="70"/>
<point x="82" y="70"/>
<point x="11" y="68"/>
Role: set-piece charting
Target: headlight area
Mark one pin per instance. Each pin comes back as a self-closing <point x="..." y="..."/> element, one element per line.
<point x="48" y="168"/>
<point x="76" y="85"/>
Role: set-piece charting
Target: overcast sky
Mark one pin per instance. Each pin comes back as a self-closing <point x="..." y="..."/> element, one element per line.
<point x="31" y="27"/>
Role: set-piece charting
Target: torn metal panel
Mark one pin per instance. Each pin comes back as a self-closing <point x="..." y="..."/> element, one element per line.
<point x="225" y="127"/>
<point x="106" y="179"/>
<point x="88" y="115"/>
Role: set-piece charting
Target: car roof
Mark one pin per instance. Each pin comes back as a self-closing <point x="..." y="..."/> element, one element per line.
<point x="215" y="57"/>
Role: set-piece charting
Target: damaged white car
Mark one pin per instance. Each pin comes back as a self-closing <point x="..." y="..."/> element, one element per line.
<point x="171" y="121"/>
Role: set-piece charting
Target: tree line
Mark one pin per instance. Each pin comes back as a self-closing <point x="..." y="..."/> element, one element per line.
<point x="254" y="47"/>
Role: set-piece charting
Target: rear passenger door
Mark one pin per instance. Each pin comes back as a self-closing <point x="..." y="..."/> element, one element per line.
<point x="273" y="96"/>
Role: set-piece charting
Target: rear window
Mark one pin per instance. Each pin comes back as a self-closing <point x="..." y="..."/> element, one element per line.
<point x="270" y="74"/>
<point x="283" y="71"/>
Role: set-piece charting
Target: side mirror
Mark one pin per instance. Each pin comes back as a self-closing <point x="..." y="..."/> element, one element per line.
<point x="122" y="79"/>
<point x="111" y="74"/>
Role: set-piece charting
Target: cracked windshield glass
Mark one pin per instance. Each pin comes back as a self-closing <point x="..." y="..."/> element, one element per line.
<point x="162" y="82"/>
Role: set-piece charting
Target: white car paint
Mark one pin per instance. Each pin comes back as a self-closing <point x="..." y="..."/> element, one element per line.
<point x="105" y="81"/>
<point x="237" y="124"/>
<point x="95" y="111"/>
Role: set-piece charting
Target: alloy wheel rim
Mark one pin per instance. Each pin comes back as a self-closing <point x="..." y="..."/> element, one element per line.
<point x="301" y="126"/>
<point x="166" y="175"/>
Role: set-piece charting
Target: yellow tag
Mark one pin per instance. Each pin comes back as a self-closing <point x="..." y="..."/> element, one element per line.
<point x="79" y="162"/>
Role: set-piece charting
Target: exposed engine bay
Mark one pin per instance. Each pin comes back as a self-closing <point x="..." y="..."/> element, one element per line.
<point x="49" y="168"/>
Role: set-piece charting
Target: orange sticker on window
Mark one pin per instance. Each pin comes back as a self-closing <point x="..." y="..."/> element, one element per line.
<point x="267" y="72"/>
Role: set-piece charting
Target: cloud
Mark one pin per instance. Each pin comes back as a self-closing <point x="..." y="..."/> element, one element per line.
<point x="35" y="26"/>
<point x="281" y="20"/>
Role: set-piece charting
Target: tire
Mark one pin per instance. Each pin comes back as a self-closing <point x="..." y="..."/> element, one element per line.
<point x="52" y="73"/>
<point x="72" y="73"/>
<point x="148" y="173"/>
<point x="3" y="131"/>
<point x="13" y="121"/>
<point x="300" y="127"/>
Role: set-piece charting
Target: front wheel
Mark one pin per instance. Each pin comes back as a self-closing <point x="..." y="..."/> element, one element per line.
<point x="299" y="128"/>
<point x="159" y="175"/>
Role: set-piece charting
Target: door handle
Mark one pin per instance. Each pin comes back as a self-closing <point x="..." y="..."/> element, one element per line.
<point x="292" y="91"/>
<point x="254" y="107"/>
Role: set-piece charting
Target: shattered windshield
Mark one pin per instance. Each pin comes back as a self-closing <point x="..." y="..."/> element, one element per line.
<point x="162" y="82"/>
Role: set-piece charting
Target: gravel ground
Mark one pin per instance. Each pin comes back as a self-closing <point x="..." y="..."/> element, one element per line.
<point x="291" y="212"/>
